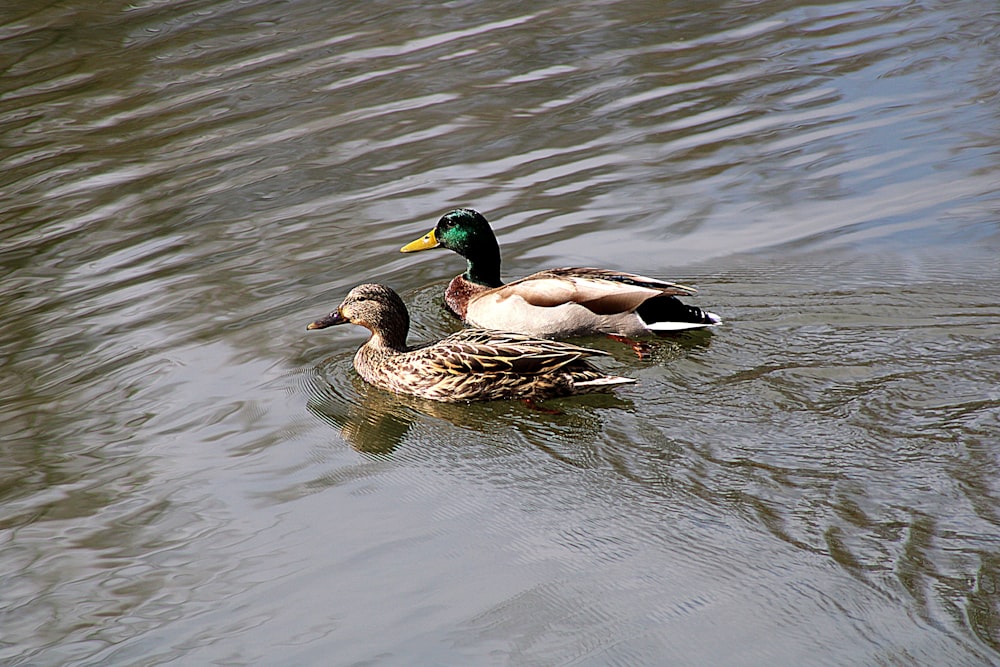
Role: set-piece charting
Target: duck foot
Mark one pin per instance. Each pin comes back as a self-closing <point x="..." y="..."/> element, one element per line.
<point x="640" y="348"/>
<point x="535" y="406"/>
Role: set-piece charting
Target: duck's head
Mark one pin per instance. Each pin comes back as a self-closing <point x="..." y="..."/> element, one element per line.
<point x="375" y="307"/>
<point x="468" y="233"/>
<point x="463" y="230"/>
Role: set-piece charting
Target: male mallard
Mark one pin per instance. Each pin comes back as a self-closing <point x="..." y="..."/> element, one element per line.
<point x="470" y="365"/>
<point x="557" y="303"/>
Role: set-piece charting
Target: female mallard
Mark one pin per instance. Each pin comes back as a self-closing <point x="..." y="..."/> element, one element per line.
<point x="557" y="303"/>
<point x="470" y="365"/>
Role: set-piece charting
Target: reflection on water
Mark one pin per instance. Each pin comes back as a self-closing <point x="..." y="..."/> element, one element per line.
<point x="377" y="422"/>
<point x="183" y="478"/>
<point x="371" y="420"/>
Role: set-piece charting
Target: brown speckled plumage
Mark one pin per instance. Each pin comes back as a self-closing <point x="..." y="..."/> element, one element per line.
<point x="469" y="365"/>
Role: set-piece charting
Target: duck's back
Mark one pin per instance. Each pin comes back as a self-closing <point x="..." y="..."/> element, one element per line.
<point x="478" y="364"/>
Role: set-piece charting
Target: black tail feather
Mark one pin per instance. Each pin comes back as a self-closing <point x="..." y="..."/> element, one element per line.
<point x="671" y="309"/>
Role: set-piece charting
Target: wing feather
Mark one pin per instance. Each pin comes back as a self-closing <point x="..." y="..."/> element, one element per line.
<point x="601" y="291"/>
<point x="486" y="352"/>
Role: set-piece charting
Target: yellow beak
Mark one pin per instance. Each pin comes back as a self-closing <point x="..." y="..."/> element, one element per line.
<point x="423" y="243"/>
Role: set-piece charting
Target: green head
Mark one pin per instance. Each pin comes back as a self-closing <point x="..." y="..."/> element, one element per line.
<point x="468" y="233"/>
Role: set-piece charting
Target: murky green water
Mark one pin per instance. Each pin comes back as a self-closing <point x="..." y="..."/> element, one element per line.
<point x="187" y="476"/>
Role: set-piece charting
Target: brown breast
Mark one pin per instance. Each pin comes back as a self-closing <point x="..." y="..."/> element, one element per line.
<point x="458" y="294"/>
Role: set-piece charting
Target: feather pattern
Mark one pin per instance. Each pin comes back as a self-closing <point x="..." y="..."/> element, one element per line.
<point x="556" y="303"/>
<point x="469" y="365"/>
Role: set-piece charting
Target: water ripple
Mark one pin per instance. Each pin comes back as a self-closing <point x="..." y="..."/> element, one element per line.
<point x="186" y="185"/>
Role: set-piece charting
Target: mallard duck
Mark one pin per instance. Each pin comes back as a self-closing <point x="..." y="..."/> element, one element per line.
<point x="557" y="303"/>
<point x="469" y="365"/>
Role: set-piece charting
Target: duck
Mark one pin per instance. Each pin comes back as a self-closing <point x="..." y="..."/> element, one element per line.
<point x="471" y="364"/>
<point x="556" y="303"/>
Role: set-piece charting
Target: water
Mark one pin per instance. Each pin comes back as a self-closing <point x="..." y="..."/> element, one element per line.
<point x="189" y="476"/>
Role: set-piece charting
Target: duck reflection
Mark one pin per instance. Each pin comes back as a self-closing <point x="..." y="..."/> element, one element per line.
<point x="377" y="422"/>
<point x="372" y="422"/>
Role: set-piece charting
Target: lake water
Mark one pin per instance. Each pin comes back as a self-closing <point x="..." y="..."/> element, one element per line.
<point x="187" y="476"/>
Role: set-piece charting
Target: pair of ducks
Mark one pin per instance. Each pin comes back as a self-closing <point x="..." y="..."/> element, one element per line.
<point x="509" y="352"/>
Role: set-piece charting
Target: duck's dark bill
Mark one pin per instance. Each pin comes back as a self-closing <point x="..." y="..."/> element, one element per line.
<point x="333" y="318"/>
<point x="423" y="243"/>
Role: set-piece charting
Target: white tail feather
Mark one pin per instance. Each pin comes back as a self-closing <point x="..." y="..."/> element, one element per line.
<point x="608" y="381"/>
<point x="684" y="326"/>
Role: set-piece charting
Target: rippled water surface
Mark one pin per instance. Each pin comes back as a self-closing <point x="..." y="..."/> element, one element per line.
<point x="188" y="476"/>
